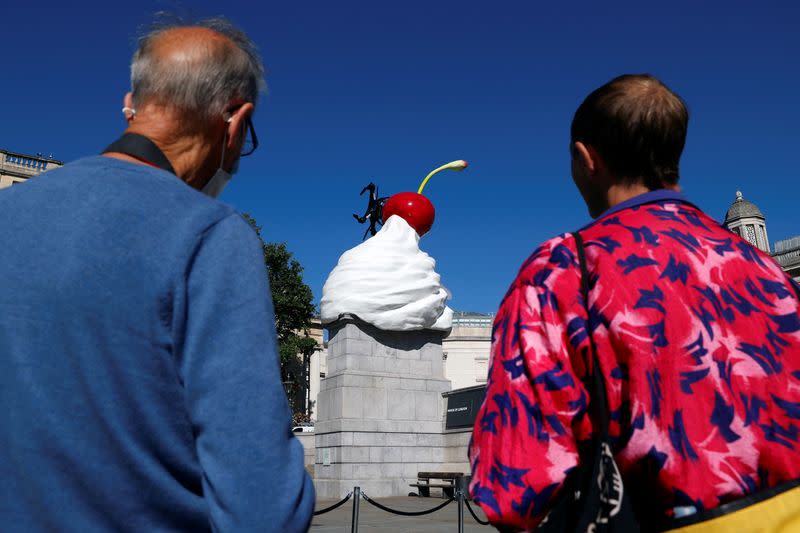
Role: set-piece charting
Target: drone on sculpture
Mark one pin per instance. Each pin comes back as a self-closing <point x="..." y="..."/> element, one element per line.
<point x="413" y="207"/>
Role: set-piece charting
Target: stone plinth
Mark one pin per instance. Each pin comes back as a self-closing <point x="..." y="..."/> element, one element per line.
<point x="380" y="410"/>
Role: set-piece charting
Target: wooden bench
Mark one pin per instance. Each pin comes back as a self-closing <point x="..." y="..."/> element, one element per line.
<point x="447" y="482"/>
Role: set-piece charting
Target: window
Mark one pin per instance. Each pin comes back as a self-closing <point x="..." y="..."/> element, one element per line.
<point x="751" y="234"/>
<point x="481" y="371"/>
<point x="762" y="237"/>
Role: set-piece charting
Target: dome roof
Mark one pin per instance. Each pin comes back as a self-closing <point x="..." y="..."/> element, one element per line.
<point x="741" y="208"/>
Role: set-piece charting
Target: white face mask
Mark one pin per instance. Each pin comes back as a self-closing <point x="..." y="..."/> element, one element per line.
<point x="221" y="177"/>
<point x="217" y="183"/>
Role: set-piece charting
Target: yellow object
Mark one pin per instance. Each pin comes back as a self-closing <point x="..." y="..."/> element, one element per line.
<point x="454" y="165"/>
<point x="779" y="514"/>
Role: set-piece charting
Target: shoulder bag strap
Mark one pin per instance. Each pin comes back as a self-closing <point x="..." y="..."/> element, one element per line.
<point x="796" y="288"/>
<point x="598" y="393"/>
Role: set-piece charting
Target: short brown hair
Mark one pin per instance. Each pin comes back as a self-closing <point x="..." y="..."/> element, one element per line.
<point x="639" y="128"/>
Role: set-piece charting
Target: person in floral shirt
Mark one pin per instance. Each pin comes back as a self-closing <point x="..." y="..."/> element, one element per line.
<point x="697" y="334"/>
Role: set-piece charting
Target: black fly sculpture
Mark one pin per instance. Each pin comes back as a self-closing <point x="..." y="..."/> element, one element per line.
<point x="373" y="214"/>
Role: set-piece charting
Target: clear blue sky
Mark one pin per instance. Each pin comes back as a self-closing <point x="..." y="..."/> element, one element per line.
<point x="385" y="91"/>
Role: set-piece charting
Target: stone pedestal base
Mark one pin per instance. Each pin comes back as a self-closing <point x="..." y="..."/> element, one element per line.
<point x="380" y="411"/>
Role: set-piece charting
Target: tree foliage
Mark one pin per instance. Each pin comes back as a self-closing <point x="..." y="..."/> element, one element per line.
<point x="294" y="309"/>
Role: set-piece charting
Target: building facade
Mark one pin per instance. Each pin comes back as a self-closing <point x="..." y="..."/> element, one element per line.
<point x="746" y="220"/>
<point x="317" y="366"/>
<point x="17" y="168"/>
<point x="787" y="254"/>
<point x="466" y="349"/>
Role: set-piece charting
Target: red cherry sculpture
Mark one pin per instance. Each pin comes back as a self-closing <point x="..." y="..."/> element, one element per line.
<point x="412" y="207"/>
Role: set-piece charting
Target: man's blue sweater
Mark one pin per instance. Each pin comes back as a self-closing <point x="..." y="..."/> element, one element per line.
<point x="139" y="380"/>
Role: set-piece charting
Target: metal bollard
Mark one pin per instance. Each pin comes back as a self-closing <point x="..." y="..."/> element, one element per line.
<point x="460" y="498"/>
<point x="356" y="501"/>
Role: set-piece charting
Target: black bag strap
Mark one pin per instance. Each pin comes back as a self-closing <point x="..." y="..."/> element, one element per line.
<point x="142" y="148"/>
<point x="601" y="409"/>
<point x="796" y="288"/>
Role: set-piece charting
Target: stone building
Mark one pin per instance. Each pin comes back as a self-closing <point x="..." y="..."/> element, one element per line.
<point x="317" y="366"/>
<point x="787" y="254"/>
<point x="16" y="167"/>
<point x="746" y="220"/>
<point x="466" y="349"/>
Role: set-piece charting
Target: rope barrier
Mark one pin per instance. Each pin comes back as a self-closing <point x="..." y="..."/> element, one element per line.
<point x="478" y="520"/>
<point x="405" y="513"/>
<point x="334" y="506"/>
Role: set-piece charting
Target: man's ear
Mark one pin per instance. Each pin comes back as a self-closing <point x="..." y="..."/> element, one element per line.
<point x="127" y="106"/>
<point x="586" y="156"/>
<point x="236" y="125"/>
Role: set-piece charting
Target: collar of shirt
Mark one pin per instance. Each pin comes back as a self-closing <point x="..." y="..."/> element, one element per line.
<point x="657" y="196"/>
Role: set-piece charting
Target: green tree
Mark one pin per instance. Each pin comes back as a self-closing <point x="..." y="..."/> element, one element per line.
<point x="294" y="309"/>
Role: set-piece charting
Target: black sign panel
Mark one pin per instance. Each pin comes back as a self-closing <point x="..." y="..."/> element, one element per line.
<point x="462" y="407"/>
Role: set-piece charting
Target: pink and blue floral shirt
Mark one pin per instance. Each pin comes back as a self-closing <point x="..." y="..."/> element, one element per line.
<point x="698" y="338"/>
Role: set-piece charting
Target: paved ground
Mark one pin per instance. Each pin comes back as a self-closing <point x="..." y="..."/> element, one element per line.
<point x="372" y="519"/>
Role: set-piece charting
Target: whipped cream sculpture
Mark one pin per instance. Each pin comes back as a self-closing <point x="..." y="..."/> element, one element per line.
<point x="387" y="281"/>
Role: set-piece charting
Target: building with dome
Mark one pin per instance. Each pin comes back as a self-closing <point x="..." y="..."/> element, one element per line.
<point x="746" y="220"/>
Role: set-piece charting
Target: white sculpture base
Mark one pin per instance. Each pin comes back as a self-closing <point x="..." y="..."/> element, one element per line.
<point x="380" y="411"/>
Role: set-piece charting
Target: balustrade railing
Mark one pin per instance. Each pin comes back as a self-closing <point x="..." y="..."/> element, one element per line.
<point x="26" y="162"/>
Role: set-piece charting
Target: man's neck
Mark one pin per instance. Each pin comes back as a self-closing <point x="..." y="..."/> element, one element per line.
<point x="187" y="153"/>
<point x="619" y="193"/>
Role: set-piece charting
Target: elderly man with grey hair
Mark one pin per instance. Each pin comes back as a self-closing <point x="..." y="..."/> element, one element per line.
<point x="139" y="378"/>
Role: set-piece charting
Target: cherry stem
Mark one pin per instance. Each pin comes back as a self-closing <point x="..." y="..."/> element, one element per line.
<point x="455" y="165"/>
